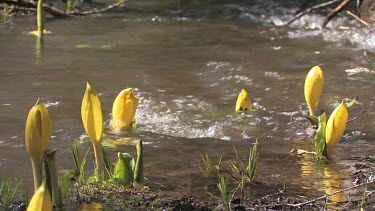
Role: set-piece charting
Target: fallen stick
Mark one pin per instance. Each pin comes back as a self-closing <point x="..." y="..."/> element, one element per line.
<point x="355" y="118"/>
<point x="57" y="12"/>
<point x="310" y="9"/>
<point x="334" y="12"/>
<point x="358" y="18"/>
<point x="331" y="194"/>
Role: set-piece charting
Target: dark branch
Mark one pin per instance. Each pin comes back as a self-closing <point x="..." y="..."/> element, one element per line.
<point x="334" y="12"/>
<point x="311" y="9"/>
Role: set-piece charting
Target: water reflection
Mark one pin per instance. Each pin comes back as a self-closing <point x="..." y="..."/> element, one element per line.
<point x="322" y="175"/>
<point x="39" y="49"/>
<point x="92" y="207"/>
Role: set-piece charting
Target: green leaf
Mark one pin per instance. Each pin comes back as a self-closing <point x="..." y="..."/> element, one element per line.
<point x="65" y="183"/>
<point x="320" y="138"/>
<point x="314" y="121"/>
<point x="123" y="172"/>
<point x="82" y="168"/>
<point x="138" y="170"/>
<point x="352" y="102"/>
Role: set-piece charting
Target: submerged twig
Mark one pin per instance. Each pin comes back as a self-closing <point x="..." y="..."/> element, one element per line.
<point x="331" y="194"/>
<point x="311" y="9"/>
<point x="98" y="10"/>
<point x="334" y="12"/>
<point x="358" y="18"/>
<point x="355" y="118"/>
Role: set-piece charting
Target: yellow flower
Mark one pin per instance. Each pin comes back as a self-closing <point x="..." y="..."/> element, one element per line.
<point x="38" y="131"/>
<point x="92" y="118"/>
<point x="41" y="200"/>
<point x="335" y="127"/>
<point x="243" y="102"/>
<point x="123" y="109"/>
<point x="314" y="83"/>
<point x="91" y="113"/>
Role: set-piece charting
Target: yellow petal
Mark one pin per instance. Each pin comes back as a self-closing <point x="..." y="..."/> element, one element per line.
<point x="243" y="102"/>
<point x="91" y="113"/>
<point x="38" y="131"/>
<point x="123" y="109"/>
<point x="41" y="200"/>
<point x="314" y="83"/>
<point x="336" y="126"/>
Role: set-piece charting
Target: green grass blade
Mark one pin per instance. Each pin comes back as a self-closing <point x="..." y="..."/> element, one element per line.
<point x="107" y="163"/>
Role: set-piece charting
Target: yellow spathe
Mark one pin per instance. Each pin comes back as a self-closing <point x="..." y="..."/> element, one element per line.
<point x="38" y="131"/>
<point x="91" y="113"/>
<point x="336" y="126"/>
<point x="123" y="109"/>
<point x="41" y="200"/>
<point x="314" y="83"/>
<point x="243" y="102"/>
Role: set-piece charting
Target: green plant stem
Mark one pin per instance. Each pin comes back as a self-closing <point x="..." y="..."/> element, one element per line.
<point x="40" y="23"/>
<point x="56" y="199"/>
<point x="37" y="172"/>
<point x="138" y="171"/>
<point x="98" y="158"/>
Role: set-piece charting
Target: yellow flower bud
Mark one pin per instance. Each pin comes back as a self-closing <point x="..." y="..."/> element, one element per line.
<point x="336" y="126"/>
<point x="243" y="102"/>
<point x="314" y="83"/>
<point x="41" y="200"/>
<point x="91" y="113"/>
<point x="38" y="131"/>
<point x="123" y="109"/>
<point x="92" y="118"/>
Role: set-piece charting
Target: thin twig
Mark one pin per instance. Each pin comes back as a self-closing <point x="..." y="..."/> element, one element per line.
<point x="57" y="12"/>
<point x="97" y="10"/>
<point x="273" y="194"/>
<point x="358" y="18"/>
<point x="334" y="12"/>
<point x="303" y="6"/>
<point x="213" y="196"/>
<point x="328" y="195"/>
<point x="310" y="9"/>
<point x="355" y="118"/>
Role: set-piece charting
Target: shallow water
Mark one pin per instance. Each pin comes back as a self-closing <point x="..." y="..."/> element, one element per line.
<point x="187" y="71"/>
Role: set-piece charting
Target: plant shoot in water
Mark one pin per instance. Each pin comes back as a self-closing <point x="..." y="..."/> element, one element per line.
<point x="38" y="133"/>
<point x="314" y="83"/>
<point x="243" y="102"/>
<point x="91" y="113"/>
<point x="123" y="110"/>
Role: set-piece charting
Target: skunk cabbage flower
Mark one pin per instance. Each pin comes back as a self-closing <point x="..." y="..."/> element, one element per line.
<point x="38" y="133"/>
<point x="92" y="118"/>
<point x="41" y="200"/>
<point x="314" y="83"/>
<point x="40" y="21"/>
<point x="91" y="113"/>
<point x="243" y="102"/>
<point x="123" y="109"/>
<point x="335" y="127"/>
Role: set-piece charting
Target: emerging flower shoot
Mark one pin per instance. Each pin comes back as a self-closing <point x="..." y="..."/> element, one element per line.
<point x="335" y="127"/>
<point x="314" y="83"/>
<point x="38" y="133"/>
<point x="123" y="109"/>
<point x="92" y="118"/>
<point x="243" y="102"/>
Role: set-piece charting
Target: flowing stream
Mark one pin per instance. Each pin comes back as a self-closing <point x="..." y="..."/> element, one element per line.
<point x="187" y="65"/>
